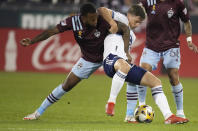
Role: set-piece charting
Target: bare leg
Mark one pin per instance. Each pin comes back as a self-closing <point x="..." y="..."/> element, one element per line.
<point x="71" y="81"/>
<point x="56" y="94"/>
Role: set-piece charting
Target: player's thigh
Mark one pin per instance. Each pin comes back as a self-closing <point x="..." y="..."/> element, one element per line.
<point x="135" y="74"/>
<point x="172" y="58"/>
<point x="149" y="58"/>
<point x="150" y="80"/>
<point x="83" y="69"/>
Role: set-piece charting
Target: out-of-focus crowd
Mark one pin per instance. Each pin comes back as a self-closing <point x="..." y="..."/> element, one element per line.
<point x="120" y="5"/>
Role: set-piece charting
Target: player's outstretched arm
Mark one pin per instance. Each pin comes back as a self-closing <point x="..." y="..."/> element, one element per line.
<point x="43" y="36"/>
<point x="188" y="31"/>
<point x="107" y="15"/>
<point x="126" y="38"/>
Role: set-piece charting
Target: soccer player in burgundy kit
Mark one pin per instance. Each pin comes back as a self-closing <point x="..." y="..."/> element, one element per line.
<point x="89" y="30"/>
<point x="162" y="33"/>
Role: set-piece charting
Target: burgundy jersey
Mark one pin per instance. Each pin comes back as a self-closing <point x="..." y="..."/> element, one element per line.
<point x="163" y="26"/>
<point x="90" y="39"/>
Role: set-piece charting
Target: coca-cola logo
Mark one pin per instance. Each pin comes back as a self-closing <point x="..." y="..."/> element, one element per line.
<point x="50" y="54"/>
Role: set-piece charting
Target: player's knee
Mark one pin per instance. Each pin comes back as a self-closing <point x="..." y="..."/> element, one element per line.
<point x="122" y="65"/>
<point x="150" y="80"/>
<point x="71" y="81"/>
<point x="174" y="81"/>
<point x="157" y="82"/>
<point x="66" y="86"/>
<point x="173" y="77"/>
<point x="146" y="66"/>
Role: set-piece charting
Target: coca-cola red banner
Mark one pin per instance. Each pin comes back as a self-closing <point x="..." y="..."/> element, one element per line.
<point x="60" y="52"/>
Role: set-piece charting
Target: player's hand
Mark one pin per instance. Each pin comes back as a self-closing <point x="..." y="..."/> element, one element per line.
<point x="129" y="58"/>
<point x="114" y="27"/>
<point x="192" y="47"/>
<point x="25" y="42"/>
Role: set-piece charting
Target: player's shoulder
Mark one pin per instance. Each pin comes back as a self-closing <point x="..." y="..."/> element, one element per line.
<point x="179" y="2"/>
<point x="117" y="13"/>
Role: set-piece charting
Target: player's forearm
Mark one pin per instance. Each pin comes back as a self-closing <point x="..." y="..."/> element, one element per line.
<point x="188" y="29"/>
<point x="105" y="13"/>
<point x="44" y="35"/>
<point x="126" y="35"/>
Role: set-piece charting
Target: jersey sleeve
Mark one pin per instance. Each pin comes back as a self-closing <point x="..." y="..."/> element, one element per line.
<point x="65" y="25"/>
<point x="132" y="39"/>
<point x="183" y="13"/>
<point x="117" y="16"/>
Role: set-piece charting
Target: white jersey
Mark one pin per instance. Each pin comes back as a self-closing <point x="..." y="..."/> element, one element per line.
<point x="114" y="43"/>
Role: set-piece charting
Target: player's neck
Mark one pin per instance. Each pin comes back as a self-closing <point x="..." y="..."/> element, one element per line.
<point x="83" y="19"/>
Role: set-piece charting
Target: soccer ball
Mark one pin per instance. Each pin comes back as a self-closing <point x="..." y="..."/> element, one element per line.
<point x="144" y="114"/>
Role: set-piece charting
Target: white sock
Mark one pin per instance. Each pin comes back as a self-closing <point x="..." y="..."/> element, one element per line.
<point x="161" y="100"/>
<point x="56" y="94"/>
<point x="116" y="86"/>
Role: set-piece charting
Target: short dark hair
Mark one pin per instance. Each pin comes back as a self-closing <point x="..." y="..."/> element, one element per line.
<point x="137" y="10"/>
<point x="87" y="8"/>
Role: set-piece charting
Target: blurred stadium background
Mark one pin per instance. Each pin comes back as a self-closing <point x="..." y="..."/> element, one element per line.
<point x="27" y="18"/>
<point x="29" y="74"/>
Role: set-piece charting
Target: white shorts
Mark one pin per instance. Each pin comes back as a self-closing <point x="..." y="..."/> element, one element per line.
<point x="83" y="69"/>
<point x="171" y="58"/>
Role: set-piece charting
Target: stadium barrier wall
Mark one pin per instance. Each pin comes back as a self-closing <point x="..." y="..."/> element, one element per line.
<point x="59" y="53"/>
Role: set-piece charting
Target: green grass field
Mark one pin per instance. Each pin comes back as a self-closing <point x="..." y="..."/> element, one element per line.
<point x="83" y="108"/>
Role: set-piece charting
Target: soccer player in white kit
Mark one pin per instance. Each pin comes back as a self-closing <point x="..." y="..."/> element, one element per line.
<point x="116" y="65"/>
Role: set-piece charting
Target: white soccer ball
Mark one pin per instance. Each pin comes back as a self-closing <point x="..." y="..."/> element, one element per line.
<point x="144" y="114"/>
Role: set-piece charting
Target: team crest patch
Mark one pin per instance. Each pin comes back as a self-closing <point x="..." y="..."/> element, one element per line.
<point x="170" y="13"/>
<point x="97" y="34"/>
<point x="79" y="65"/>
